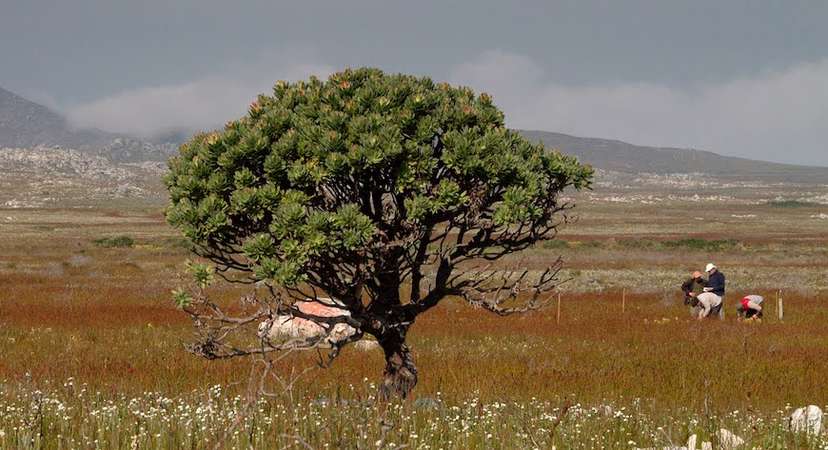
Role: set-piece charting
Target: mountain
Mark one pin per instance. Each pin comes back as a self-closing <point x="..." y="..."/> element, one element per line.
<point x="623" y="157"/>
<point x="25" y="124"/>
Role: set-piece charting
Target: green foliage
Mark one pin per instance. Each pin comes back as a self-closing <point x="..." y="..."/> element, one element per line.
<point x="115" y="241"/>
<point x="712" y="245"/>
<point x="695" y="244"/>
<point x="791" y="204"/>
<point x="202" y="273"/>
<point x="323" y="170"/>
<point x="182" y="298"/>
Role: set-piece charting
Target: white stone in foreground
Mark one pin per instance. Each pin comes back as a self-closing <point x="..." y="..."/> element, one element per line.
<point x="728" y="440"/>
<point x="807" y="420"/>
<point x="691" y="445"/>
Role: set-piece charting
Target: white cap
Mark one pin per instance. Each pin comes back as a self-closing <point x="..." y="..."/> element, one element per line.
<point x="710" y="266"/>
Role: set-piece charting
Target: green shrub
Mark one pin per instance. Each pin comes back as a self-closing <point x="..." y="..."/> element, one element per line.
<point x="591" y="244"/>
<point x="115" y="242"/>
<point x="697" y="244"/>
<point x="791" y="204"/>
<point x="638" y="244"/>
<point x="715" y="245"/>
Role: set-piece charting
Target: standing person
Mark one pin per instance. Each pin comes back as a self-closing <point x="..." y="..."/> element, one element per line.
<point x="714" y="290"/>
<point x="692" y="288"/>
<point x="751" y="307"/>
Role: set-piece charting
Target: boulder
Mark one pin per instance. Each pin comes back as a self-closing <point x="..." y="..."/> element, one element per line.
<point x="285" y="326"/>
<point x="728" y="440"/>
<point x="807" y="420"/>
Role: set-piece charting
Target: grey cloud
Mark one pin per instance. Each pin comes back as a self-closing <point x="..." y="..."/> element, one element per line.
<point x="196" y="105"/>
<point x="776" y="115"/>
<point x="779" y="116"/>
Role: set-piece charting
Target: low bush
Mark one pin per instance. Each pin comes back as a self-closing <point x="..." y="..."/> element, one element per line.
<point x="791" y="204"/>
<point x="115" y="242"/>
<point x="693" y="244"/>
<point x="714" y="245"/>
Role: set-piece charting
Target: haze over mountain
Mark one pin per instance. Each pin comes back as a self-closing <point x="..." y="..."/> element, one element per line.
<point x="26" y="124"/>
<point x="620" y="156"/>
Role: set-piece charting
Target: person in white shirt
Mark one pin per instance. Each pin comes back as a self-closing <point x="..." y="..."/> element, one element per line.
<point x="710" y="300"/>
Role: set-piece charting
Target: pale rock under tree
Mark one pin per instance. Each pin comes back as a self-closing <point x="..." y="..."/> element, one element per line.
<point x="285" y="326"/>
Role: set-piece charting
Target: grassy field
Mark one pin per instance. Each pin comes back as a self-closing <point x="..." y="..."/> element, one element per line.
<point x="93" y="357"/>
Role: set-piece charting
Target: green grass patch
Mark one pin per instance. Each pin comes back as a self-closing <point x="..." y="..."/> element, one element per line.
<point x="555" y="244"/>
<point x="714" y="245"/>
<point x="122" y="241"/>
<point x="692" y="244"/>
<point x="792" y="204"/>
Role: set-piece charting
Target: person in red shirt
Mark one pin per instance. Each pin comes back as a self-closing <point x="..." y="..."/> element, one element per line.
<point x="750" y="307"/>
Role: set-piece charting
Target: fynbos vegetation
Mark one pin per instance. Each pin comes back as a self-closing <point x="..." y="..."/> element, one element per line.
<point x="388" y="193"/>
<point x="115" y="241"/>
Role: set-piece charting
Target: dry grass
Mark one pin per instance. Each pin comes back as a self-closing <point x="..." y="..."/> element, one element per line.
<point x="103" y="317"/>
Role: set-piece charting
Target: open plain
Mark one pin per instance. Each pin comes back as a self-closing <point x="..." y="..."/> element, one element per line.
<point x="92" y="353"/>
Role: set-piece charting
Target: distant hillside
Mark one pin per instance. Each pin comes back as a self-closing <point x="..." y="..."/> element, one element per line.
<point x="623" y="157"/>
<point x="25" y="124"/>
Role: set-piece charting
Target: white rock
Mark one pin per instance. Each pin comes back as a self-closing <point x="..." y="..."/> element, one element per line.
<point x="285" y="326"/>
<point x="662" y="448"/>
<point x="606" y="410"/>
<point x="691" y="442"/>
<point x="807" y="420"/>
<point x="691" y="445"/>
<point x="728" y="440"/>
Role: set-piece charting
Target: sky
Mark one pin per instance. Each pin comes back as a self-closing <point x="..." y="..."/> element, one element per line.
<point x="737" y="77"/>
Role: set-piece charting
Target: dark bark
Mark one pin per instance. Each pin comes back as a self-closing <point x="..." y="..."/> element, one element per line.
<point x="400" y="374"/>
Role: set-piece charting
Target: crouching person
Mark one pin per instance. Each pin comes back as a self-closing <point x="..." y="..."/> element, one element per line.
<point x="750" y="308"/>
<point x="710" y="300"/>
<point x="692" y="287"/>
<point x="709" y="305"/>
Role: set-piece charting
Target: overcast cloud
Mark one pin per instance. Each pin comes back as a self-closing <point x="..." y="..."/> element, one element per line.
<point x="774" y="116"/>
<point x="200" y="104"/>
<point x="742" y="77"/>
<point x="764" y="117"/>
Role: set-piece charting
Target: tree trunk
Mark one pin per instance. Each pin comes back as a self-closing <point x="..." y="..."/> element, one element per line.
<point x="400" y="374"/>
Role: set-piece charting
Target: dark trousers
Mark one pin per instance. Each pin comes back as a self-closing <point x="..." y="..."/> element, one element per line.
<point x="753" y="313"/>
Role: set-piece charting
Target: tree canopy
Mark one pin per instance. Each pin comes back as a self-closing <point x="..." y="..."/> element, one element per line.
<point x="365" y="183"/>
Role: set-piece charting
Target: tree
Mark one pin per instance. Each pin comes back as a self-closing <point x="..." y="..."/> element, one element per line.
<point x="388" y="193"/>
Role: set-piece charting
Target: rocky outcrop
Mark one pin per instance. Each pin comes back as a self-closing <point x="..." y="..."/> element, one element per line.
<point x="48" y="177"/>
